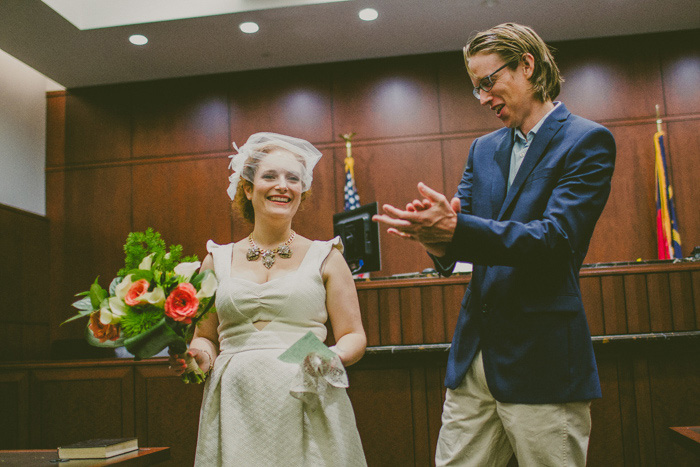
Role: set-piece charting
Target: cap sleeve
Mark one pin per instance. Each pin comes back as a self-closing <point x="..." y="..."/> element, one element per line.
<point x="222" y="258"/>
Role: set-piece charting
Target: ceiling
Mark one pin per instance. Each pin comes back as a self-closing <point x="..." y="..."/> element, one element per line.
<point x="307" y="32"/>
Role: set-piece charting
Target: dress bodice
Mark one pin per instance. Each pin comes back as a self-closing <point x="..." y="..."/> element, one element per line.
<point x="294" y="303"/>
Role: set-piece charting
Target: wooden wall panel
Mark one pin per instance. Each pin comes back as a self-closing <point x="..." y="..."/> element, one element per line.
<point x="14" y="407"/>
<point x="681" y="291"/>
<point x="369" y="308"/>
<point x="314" y="219"/>
<point x="98" y="218"/>
<point x="682" y="146"/>
<point x="181" y="116"/>
<point x="605" y="446"/>
<point x="610" y="79"/>
<point x="459" y="110"/>
<point x="680" y="66"/>
<point x="631" y="209"/>
<point x="386" y="401"/>
<point x="293" y="101"/>
<point x="98" y="126"/>
<point x="411" y="316"/>
<point x="431" y="302"/>
<point x="71" y="406"/>
<point x="659" y="303"/>
<point x="674" y="402"/>
<point x="167" y="410"/>
<point x="185" y="201"/>
<point x="390" y="97"/>
<point x="25" y="281"/>
<point x="613" y="291"/>
<point x="390" y="316"/>
<point x="55" y="128"/>
<point x="636" y="303"/>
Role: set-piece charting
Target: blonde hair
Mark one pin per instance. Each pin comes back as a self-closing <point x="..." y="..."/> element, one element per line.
<point x="511" y="41"/>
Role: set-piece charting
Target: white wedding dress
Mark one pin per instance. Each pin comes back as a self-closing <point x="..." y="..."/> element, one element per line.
<point x="248" y="416"/>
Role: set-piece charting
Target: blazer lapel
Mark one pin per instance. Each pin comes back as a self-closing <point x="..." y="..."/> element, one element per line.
<point x="534" y="154"/>
<point x="500" y="179"/>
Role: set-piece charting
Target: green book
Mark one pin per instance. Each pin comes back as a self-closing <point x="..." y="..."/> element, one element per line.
<point x="98" y="448"/>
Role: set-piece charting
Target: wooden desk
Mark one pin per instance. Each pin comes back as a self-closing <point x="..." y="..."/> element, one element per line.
<point x="688" y="437"/>
<point x="49" y="457"/>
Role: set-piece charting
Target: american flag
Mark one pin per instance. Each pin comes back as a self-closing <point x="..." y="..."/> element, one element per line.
<point x="352" y="199"/>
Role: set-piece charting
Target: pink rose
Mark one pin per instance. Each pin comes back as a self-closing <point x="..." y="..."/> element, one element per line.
<point x="136" y="289"/>
<point x="182" y="303"/>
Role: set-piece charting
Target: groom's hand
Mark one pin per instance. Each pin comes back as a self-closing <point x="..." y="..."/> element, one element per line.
<point x="431" y="221"/>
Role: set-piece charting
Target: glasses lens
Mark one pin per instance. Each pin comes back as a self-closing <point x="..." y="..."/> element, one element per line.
<point x="475" y="91"/>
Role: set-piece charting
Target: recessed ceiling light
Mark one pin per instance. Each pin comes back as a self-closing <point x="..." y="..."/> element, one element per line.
<point x="138" y="39"/>
<point x="368" y="14"/>
<point x="249" y="27"/>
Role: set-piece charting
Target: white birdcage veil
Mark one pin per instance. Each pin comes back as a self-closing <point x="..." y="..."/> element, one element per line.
<point x="245" y="162"/>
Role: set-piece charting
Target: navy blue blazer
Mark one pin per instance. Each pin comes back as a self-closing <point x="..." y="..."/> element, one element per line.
<point x="523" y="305"/>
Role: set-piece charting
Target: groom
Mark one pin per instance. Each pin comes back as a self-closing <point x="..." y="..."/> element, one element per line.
<point x="521" y="370"/>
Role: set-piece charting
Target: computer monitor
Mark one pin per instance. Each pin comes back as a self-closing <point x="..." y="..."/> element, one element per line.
<point x="360" y="236"/>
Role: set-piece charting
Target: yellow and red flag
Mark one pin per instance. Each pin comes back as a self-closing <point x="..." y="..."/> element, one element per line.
<point x="667" y="237"/>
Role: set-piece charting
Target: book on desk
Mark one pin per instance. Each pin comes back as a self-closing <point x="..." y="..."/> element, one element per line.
<point x="98" y="448"/>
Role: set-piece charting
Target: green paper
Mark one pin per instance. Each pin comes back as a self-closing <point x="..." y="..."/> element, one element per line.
<point x="303" y="347"/>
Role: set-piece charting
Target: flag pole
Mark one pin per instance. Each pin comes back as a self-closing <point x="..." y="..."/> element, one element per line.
<point x="658" y="119"/>
<point x="349" y="165"/>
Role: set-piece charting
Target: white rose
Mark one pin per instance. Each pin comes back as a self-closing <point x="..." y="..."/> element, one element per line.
<point x="187" y="269"/>
<point x="208" y="286"/>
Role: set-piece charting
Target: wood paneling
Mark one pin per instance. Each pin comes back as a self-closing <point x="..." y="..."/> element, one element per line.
<point x="390" y="97"/>
<point x="683" y="161"/>
<point x="459" y="110"/>
<point x="98" y="205"/>
<point x="167" y="410"/>
<point x="55" y="129"/>
<point x="181" y="116"/>
<point x="80" y="403"/>
<point x="98" y="126"/>
<point x="384" y="395"/>
<point x="14" y="407"/>
<point x="24" y="284"/>
<point x="631" y="209"/>
<point x="185" y="201"/>
<point x="397" y="399"/>
<point x="680" y="67"/>
<point x="294" y="101"/>
<point x="610" y="79"/>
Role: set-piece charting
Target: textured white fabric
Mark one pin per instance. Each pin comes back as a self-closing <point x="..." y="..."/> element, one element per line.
<point x="248" y="416"/>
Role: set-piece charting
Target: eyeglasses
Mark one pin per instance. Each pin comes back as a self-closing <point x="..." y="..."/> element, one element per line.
<point x="486" y="84"/>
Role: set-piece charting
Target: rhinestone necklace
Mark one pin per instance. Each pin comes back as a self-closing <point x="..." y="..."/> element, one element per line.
<point x="268" y="256"/>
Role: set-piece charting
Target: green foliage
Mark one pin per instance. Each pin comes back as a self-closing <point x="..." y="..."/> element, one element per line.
<point x="140" y="319"/>
<point x="141" y="244"/>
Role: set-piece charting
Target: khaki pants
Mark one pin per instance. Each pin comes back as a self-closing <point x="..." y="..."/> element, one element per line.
<point x="477" y="430"/>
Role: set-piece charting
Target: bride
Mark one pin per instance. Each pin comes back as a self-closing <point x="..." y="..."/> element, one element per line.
<point x="274" y="288"/>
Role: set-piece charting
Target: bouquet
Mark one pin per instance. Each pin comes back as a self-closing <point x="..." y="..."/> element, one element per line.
<point x="155" y="302"/>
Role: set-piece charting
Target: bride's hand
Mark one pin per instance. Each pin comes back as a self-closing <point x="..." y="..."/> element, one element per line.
<point x="178" y="362"/>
